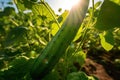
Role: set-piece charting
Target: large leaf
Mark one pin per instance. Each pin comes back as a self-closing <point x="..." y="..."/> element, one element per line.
<point x="18" y="68"/>
<point x="116" y="1"/>
<point x="46" y="16"/>
<point x="109" y="16"/>
<point x="43" y="10"/>
<point x="107" y="40"/>
<point x="39" y="9"/>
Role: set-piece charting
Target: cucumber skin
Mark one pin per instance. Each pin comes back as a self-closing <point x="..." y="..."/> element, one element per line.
<point x="59" y="43"/>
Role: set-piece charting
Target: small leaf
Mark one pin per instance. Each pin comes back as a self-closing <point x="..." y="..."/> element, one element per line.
<point x="63" y="17"/>
<point x="20" y="5"/>
<point x="97" y="4"/>
<point x="60" y="19"/>
<point x="60" y="10"/>
<point x="79" y="57"/>
<point x="92" y="78"/>
<point x="8" y="11"/>
<point x="79" y="33"/>
<point x="55" y="28"/>
<point x="107" y="41"/>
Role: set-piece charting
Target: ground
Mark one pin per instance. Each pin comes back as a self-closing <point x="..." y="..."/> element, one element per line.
<point x="103" y="64"/>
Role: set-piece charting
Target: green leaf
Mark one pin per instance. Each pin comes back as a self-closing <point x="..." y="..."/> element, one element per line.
<point x="109" y="37"/>
<point x="79" y="33"/>
<point x="77" y="76"/>
<point x="20" y="5"/>
<point x="60" y="19"/>
<point x="18" y="62"/>
<point x="92" y="78"/>
<point x="79" y="57"/>
<point x="44" y="15"/>
<point x="97" y="4"/>
<point x="107" y="40"/>
<point x="116" y="1"/>
<point x="18" y="68"/>
<point x="41" y="10"/>
<point x="8" y="11"/>
<point x="109" y="16"/>
<point x="55" y="28"/>
<point x="34" y="0"/>
<point x="2" y="31"/>
<point x="63" y="17"/>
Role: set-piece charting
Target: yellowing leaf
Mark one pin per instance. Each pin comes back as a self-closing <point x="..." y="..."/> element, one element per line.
<point x="60" y="19"/>
<point x="55" y="28"/>
<point x="107" y="41"/>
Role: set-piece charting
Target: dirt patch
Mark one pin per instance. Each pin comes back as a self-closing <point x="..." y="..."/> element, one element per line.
<point x="93" y="68"/>
<point x="102" y="65"/>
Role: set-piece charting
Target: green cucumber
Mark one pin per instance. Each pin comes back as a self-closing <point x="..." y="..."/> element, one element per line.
<point x="59" y="43"/>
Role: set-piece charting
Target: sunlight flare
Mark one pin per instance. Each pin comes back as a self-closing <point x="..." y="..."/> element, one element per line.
<point x="69" y="3"/>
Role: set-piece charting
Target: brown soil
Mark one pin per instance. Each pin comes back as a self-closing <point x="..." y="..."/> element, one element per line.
<point x="102" y="65"/>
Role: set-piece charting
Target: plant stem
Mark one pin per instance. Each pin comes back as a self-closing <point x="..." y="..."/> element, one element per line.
<point x="86" y="28"/>
<point x="15" y="23"/>
<point x="15" y="2"/>
<point x="92" y="7"/>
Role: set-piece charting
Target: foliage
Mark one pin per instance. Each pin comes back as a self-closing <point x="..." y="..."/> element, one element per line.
<point x="105" y="19"/>
<point x="25" y="33"/>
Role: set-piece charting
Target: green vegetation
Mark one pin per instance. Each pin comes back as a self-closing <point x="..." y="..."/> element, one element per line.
<point x="37" y="44"/>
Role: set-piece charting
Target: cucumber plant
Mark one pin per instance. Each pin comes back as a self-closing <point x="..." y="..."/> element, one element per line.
<point x="23" y="35"/>
<point x="59" y="43"/>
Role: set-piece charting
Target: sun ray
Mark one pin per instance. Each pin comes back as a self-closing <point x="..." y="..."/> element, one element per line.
<point x="69" y="3"/>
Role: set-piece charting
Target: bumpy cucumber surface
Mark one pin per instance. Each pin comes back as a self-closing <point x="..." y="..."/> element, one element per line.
<point x="59" y="43"/>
